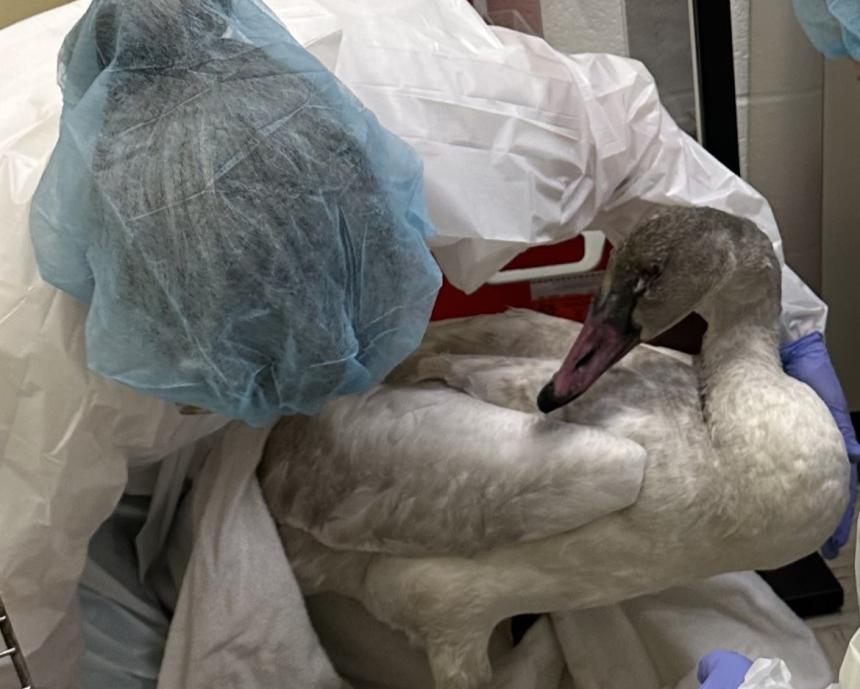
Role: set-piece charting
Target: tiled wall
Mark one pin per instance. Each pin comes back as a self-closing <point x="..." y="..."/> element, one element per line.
<point x="779" y="81"/>
<point x="800" y="143"/>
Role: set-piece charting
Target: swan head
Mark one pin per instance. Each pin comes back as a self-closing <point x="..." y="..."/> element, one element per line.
<point x="671" y="265"/>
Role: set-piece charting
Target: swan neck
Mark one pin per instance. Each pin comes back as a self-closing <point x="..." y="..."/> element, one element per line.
<point x="739" y="342"/>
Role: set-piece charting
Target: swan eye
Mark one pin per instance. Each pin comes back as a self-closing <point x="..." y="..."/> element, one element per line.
<point x="647" y="276"/>
<point x="651" y="271"/>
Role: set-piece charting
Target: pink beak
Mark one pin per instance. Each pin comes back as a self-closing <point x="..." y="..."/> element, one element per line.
<point x="604" y="340"/>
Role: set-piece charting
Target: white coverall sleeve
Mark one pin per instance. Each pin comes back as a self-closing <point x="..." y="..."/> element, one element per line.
<point x="523" y="145"/>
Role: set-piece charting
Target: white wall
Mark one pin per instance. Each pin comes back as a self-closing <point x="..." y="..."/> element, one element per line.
<point x="841" y="215"/>
<point x="800" y="146"/>
<point x="780" y="86"/>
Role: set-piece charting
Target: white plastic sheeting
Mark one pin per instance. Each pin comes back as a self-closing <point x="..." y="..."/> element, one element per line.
<point x="651" y="642"/>
<point x="521" y="145"/>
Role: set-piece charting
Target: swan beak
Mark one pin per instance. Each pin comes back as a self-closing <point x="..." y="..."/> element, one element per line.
<point x="602" y="341"/>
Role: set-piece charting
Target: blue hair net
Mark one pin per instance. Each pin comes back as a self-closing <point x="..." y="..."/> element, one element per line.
<point x="833" y="26"/>
<point x="249" y="239"/>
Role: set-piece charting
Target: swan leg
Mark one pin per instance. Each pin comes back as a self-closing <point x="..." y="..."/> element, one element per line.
<point x="460" y="665"/>
<point x="455" y="637"/>
<point x="443" y="605"/>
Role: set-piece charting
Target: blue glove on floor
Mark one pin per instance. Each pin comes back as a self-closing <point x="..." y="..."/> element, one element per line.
<point x="807" y="360"/>
<point x="723" y="670"/>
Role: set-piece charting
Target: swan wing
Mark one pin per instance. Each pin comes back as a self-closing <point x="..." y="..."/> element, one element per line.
<point x="424" y="468"/>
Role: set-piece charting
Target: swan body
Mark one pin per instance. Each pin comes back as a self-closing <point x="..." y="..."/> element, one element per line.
<point x="445" y="503"/>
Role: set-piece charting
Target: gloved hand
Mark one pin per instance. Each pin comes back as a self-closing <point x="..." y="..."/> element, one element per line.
<point x="723" y="670"/>
<point x="808" y="361"/>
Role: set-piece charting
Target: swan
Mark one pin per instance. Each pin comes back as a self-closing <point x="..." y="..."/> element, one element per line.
<point x="445" y="503"/>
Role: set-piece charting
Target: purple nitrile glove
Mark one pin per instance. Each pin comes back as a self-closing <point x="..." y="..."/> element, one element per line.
<point x="808" y="361"/>
<point x="723" y="670"/>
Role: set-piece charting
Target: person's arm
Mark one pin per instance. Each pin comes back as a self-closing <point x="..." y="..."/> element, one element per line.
<point x="523" y="145"/>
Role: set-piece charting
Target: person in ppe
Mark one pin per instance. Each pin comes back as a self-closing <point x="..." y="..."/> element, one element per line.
<point x="521" y="146"/>
<point x="220" y="224"/>
<point x="833" y="26"/>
